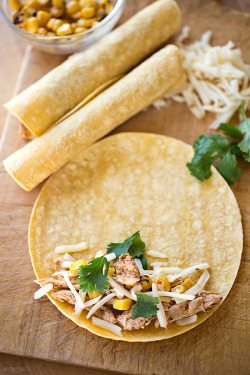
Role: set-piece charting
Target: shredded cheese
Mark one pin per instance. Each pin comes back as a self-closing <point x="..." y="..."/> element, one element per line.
<point x="186" y="297"/>
<point x="156" y="254"/>
<point x="189" y="270"/>
<point x="117" y="293"/>
<point x="106" y="325"/>
<point x="217" y="78"/>
<point x="120" y="288"/>
<point x="99" y="254"/>
<point x="167" y="270"/>
<point x="42" y="291"/>
<point x="139" y="265"/>
<point x="76" y="295"/>
<point x="69" y="257"/>
<point x="198" y="287"/>
<point x="110" y="257"/>
<point x="185" y="321"/>
<point x="66" y="263"/>
<point x="78" y="308"/>
<point x="99" y="304"/>
<point x="92" y="301"/>
<point x="71" y="248"/>
<point x="160" y="313"/>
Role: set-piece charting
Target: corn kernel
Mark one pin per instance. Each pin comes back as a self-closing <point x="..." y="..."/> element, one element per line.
<point x="163" y="283"/>
<point x="76" y="15"/>
<point x="32" y="25"/>
<point x="56" y="12"/>
<point x="51" y="33"/>
<point x="86" y="23"/>
<point x="93" y="294"/>
<point x="179" y="289"/>
<point x="95" y="23"/>
<point x="72" y="7"/>
<point x="42" y="17"/>
<point x="63" y="30"/>
<point x="88" y="12"/>
<point x="30" y="12"/>
<point x="75" y="265"/>
<point x="146" y="282"/>
<point x="74" y="25"/>
<point x="57" y="24"/>
<point x="43" y="2"/>
<point x="109" y="7"/>
<point x="15" y="4"/>
<point x="83" y="3"/>
<point x="111" y="269"/>
<point x="122" y="304"/>
<point x="32" y="4"/>
<point x="50" y="23"/>
<point x="58" y="3"/>
<point x="188" y="283"/>
<point x="42" y="31"/>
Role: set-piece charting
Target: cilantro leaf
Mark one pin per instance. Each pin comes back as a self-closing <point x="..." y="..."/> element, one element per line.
<point x="145" y="307"/>
<point x="207" y="149"/>
<point x="244" y="127"/>
<point x="93" y="276"/>
<point x="228" y="168"/>
<point x="144" y="262"/>
<point x="230" y="130"/>
<point x="132" y="245"/>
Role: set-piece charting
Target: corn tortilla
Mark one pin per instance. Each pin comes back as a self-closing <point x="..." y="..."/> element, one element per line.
<point x="138" y="181"/>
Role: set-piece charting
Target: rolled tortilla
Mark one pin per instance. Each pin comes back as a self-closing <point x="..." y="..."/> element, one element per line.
<point x="46" y="101"/>
<point x="157" y="76"/>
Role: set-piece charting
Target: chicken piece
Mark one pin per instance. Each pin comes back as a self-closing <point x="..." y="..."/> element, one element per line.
<point x="127" y="271"/>
<point x="64" y="295"/>
<point x="204" y="301"/>
<point x="105" y="313"/>
<point x="129" y="324"/>
<point x="58" y="281"/>
<point x="176" y="282"/>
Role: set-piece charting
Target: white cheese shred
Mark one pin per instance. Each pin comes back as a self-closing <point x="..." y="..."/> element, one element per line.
<point x="99" y="254"/>
<point x="67" y="256"/>
<point x="76" y="295"/>
<point x="185" y="321"/>
<point x="167" y="270"/>
<point x="110" y="257"/>
<point x="71" y="248"/>
<point x="120" y="288"/>
<point x="78" y="308"/>
<point x="42" y="291"/>
<point x="117" y="293"/>
<point x="189" y="270"/>
<point x="92" y="301"/>
<point x="139" y="266"/>
<point x="185" y="297"/>
<point x="160" y="313"/>
<point x="106" y="325"/>
<point x="156" y="254"/>
<point x="66" y="263"/>
<point x="198" y="287"/>
<point x="99" y="304"/>
<point x="217" y="78"/>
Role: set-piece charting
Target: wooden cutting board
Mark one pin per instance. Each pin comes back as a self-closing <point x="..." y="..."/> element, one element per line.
<point x="37" y="329"/>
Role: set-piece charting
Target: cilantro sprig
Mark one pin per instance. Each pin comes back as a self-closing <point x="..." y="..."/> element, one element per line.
<point x="211" y="148"/>
<point x="132" y="245"/>
<point x="145" y="307"/>
<point x="93" y="276"/>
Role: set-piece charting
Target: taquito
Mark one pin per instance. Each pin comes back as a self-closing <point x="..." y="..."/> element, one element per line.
<point x="46" y="101"/>
<point x="159" y="75"/>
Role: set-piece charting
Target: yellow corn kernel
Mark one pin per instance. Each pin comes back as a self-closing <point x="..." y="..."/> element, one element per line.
<point x="92" y="3"/>
<point x="43" y="2"/>
<point x="56" y="12"/>
<point x="108" y="8"/>
<point x="95" y="23"/>
<point x="93" y="294"/>
<point x="179" y="289"/>
<point x="75" y="265"/>
<point x="28" y="11"/>
<point x="50" y="23"/>
<point x="83" y="3"/>
<point x="146" y="282"/>
<point x="42" y="31"/>
<point x="32" y="25"/>
<point x="42" y="17"/>
<point x="72" y="7"/>
<point x="32" y="4"/>
<point x="58" y="3"/>
<point x="188" y="283"/>
<point x="86" y="23"/>
<point x="15" y="4"/>
<point x="63" y="30"/>
<point x="122" y="304"/>
<point x="76" y="15"/>
<point x="57" y="24"/>
<point x="88" y="12"/>
<point x="111" y="270"/>
<point x="163" y="283"/>
<point x="73" y="25"/>
<point x="51" y="33"/>
<point x="103" y="2"/>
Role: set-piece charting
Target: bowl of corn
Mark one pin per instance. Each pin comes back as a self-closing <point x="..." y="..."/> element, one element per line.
<point x="61" y="26"/>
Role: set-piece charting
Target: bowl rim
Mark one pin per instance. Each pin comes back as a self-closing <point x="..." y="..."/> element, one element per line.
<point x="78" y="37"/>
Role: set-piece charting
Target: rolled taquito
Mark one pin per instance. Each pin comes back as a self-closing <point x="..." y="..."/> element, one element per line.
<point x="159" y="75"/>
<point x="46" y="101"/>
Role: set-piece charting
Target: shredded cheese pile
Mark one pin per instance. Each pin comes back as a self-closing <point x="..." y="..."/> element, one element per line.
<point x="217" y="79"/>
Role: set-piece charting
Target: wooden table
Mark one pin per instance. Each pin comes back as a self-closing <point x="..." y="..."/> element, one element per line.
<point x="13" y="54"/>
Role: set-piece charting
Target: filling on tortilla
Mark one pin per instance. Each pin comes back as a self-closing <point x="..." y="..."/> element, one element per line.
<point x="119" y="291"/>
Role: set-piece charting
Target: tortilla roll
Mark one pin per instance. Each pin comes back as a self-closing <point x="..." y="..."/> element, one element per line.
<point x="46" y="101"/>
<point x="159" y="75"/>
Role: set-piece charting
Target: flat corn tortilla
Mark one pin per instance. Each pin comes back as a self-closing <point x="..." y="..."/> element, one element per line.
<point x="138" y="181"/>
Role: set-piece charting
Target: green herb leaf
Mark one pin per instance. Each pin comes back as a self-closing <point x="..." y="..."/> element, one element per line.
<point x="244" y="127"/>
<point x="93" y="276"/>
<point x="145" y="307"/>
<point x="144" y="262"/>
<point x="228" y="168"/>
<point x="207" y="149"/>
<point x="230" y="130"/>
<point x="132" y="245"/>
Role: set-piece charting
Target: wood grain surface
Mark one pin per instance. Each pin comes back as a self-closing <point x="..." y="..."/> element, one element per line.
<point x="36" y="329"/>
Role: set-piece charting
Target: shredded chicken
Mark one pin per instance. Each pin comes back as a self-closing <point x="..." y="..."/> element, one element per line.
<point x="64" y="296"/>
<point x="129" y="324"/>
<point x="58" y="280"/>
<point x="105" y="313"/>
<point x="176" y="282"/>
<point x="127" y="271"/>
<point x="204" y="301"/>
